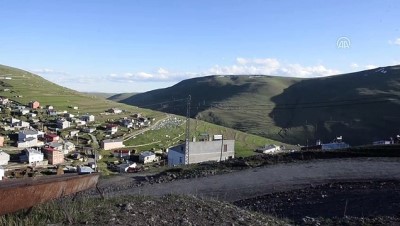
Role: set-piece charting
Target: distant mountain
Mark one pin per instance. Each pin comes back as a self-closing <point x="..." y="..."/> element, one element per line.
<point x="99" y="94"/>
<point x="362" y="106"/>
<point x="120" y="96"/>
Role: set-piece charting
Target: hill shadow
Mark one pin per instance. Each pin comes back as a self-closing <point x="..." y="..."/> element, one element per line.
<point x="361" y="107"/>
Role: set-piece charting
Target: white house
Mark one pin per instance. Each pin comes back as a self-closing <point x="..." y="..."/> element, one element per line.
<point x="4" y="158"/>
<point x="32" y="156"/>
<point x="112" y="144"/>
<point x="24" y="111"/>
<point x="68" y="147"/>
<point x="3" y="101"/>
<point x="2" y="171"/>
<point x="29" y="133"/>
<point x="87" y="118"/>
<point x="147" y="157"/>
<point x="79" y="122"/>
<point x="217" y="150"/>
<point x="268" y="149"/>
<point x="73" y="133"/>
<point x="63" y="124"/>
<point x="29" y="142"/>
<point x="115" y="110"/>
<point x="88" y="129"/>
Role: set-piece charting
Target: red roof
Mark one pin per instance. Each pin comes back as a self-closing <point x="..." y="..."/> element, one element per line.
<point x="51" y="135"/>
<point x="48" y="149"/>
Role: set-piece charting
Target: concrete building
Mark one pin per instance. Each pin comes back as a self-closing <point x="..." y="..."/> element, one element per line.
<point x="55" y="157"/>
<point x="87" y="118"/>
<point x="29" y="142"/>
<point x="4" y="158"/>
<point x="63" y="124"/>
<point x="68" y="147"/>
<point x="112" y="144"/>
<point x="29" y="133"/>
<point x="147" y="157"/>
<point x="32" y="156"/>
<point x="217" y="150"/>
<point x="112" y="128"/>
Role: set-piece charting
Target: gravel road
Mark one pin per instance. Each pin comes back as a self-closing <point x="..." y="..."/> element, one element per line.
<point x="275" y="178"/>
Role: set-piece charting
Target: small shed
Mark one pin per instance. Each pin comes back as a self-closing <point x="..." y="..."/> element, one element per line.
<point x="267" y="149"/>
<point x="147" y="157"/>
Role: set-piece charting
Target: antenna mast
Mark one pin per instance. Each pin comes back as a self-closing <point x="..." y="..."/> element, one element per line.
<point x="187" y="130"/>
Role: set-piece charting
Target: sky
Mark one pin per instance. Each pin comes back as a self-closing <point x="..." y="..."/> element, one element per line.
<point x="120" y="46"/>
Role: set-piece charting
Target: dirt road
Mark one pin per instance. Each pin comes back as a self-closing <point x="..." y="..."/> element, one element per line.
<point x="282" y="177"/>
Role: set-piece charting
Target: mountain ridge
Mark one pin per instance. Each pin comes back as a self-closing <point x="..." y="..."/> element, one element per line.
<point x="294" y="110"/>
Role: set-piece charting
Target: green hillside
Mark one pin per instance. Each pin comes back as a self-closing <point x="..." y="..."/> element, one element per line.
<point x="361" y="106"/>
<point x="24" y="87"/>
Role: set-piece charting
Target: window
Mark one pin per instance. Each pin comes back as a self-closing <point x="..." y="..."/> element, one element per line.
<point x="225" y="147"/>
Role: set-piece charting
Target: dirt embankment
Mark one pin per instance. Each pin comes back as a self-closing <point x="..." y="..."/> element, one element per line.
<point x="351" y="203"/>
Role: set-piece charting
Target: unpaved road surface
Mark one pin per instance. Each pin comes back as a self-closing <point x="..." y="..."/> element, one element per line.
<point x="275" y="178"/>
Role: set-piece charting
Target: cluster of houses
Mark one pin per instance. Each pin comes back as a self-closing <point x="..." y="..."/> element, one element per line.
<point x="36" y="130"/>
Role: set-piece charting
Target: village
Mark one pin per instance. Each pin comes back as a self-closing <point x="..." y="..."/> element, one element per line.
<point x="38" y="140"/>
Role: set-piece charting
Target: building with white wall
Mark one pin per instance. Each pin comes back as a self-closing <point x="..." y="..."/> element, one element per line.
<point x="147" y="157"/>
<point x="4" y="158"/>
<point x="217" y="150"/>
<point x="32" y="156"/>
<point x="112" y="144"/>
<point x="29" y="133"/>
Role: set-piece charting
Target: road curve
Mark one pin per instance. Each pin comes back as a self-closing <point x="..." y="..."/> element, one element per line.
<point x="281" y="177"/>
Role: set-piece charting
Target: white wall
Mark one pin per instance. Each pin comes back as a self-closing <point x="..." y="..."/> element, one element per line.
<point x="1" y="173"/>
<point x="4" y="158"/>
<point x="35" y="157"/>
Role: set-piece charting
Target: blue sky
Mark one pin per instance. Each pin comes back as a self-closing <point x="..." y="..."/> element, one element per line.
<point x="135" y="46"/>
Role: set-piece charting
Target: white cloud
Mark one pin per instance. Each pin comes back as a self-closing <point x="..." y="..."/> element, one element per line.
<point x="354" y="65"/>
<point x="271" y="66"/>
<point x="370" y="66"/>
<point x="160" y="75"/>
<point x="395" y="42"/>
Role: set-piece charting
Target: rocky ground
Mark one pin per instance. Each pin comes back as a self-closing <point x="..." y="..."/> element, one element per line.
<point x="352" y="203"/>
<point x="139" y="210"/>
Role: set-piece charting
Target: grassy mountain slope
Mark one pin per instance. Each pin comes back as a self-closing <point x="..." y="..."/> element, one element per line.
<point x="24" y="87"/>
<point x="361" y="106"/>
<point x="100" y="94"/>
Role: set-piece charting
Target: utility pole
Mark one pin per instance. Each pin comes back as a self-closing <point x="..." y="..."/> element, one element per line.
<point x="187" y="130"/>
